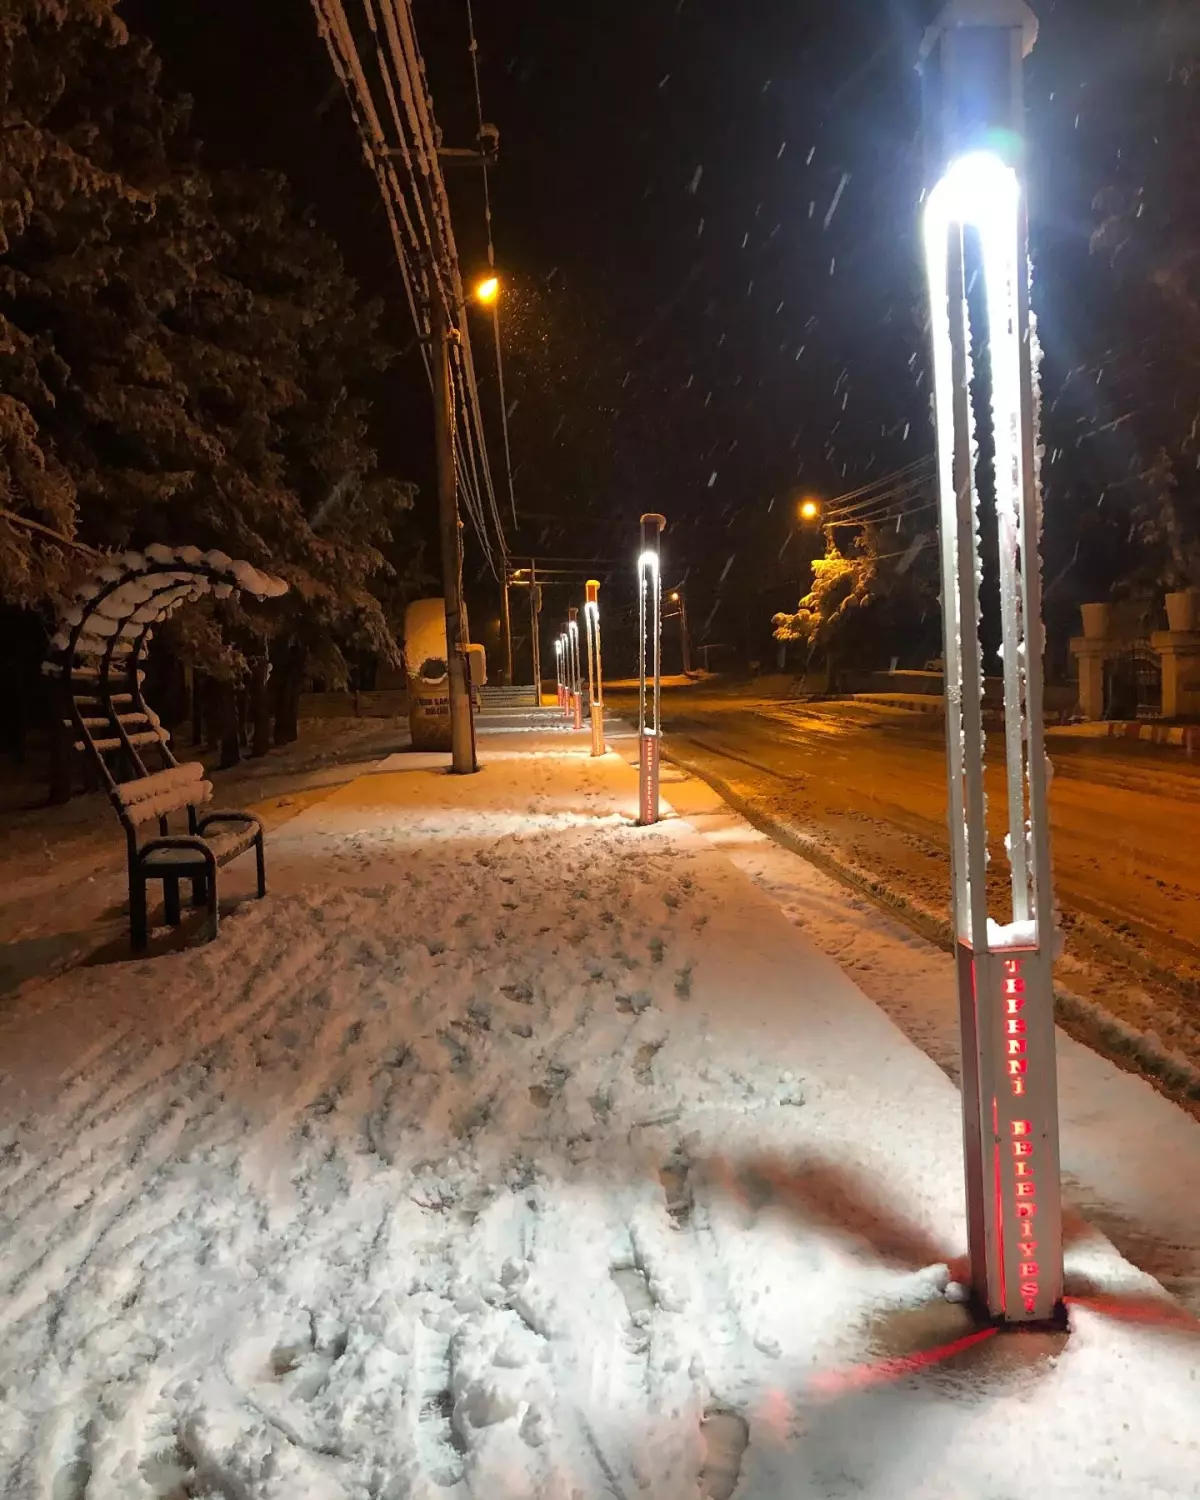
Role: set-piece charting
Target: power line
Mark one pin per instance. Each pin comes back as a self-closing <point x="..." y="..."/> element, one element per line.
<point x="491" y="255"/>
<point x="899" y="479"/>
<point x="900" y="506"/>
<point x="898" y="496"/>
<point x="407" y="169"/>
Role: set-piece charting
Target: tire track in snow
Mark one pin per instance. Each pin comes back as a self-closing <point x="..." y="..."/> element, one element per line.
<point x="105" y="1110"/>
<point x="79" y="1243"/>
<point x="100" y="1107"/>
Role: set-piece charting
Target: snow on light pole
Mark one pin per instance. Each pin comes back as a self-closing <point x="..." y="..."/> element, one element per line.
<point x="650" y="668"/>
<point x="976" y="224"/>
<point x="576" y="669"/>
<point x="591" y="615"/>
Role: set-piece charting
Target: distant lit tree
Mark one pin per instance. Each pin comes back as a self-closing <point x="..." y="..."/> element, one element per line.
<point x="829" y="619"/>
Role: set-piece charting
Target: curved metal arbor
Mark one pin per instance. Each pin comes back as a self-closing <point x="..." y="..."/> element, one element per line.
<point x="97" y="657"/>
<point x="102" y="640"/>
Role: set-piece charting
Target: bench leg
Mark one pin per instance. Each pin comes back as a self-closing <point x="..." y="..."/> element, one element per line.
<point x="171" y="901"/>
<point x="139" y="933"/>
<point x="199" y="891"/>
<point x="214" y="915"/>
<point x="260" y="858"/>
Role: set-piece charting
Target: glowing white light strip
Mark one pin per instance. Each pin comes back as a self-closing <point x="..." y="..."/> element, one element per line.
<point x="648" y="562"/>
<point x="980" y="191"/>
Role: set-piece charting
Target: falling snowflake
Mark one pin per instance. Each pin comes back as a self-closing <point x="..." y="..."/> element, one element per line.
<point x="837" y="198"/>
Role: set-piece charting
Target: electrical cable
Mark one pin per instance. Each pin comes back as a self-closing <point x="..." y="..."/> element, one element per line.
<point x="929" y="462"/>
<point x="491" y="255"/>
<point x="422" y="234"/>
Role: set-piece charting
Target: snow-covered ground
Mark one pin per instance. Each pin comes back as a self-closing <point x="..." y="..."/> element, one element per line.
<point x="63" y="886"/>
<point x="509" y="1150"/>
<point x="1130" y="1157"/>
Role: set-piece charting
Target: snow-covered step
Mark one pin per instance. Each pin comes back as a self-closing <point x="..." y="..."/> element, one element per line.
<point x="105" y="722"/>
<point x="148" y="737"/>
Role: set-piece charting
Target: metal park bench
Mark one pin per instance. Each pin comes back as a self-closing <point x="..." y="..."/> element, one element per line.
<point x="97" y="658"/>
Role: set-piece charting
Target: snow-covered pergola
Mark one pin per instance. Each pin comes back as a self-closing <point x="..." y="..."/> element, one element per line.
<point x="97" y="657"/>
<point x="100" y="645"/>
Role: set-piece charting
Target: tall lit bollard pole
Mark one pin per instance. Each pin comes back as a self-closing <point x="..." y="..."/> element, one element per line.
<point x="650" y="668"/>
<point x="576" y="667"/>
<point x="567" y="675"/>
<point x="976" y="226"/>
<point x="591" y="615"/>
<point x="560" y="670"/>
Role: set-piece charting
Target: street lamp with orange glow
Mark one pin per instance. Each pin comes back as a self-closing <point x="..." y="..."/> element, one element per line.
<point x="487" y="290"/>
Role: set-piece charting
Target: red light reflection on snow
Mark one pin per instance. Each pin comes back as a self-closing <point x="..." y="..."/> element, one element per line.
<point x="1141" y="1310"/>
<point x="835" y="1383"/>
<point x="775" y="1415"/>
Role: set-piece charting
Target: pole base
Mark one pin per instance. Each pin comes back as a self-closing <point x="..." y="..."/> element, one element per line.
<point x="648" y="766"/>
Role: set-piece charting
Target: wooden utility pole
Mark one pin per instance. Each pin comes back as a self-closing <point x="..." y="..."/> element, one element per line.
<point x="462" y="722"/>
<point x="507" y="622"/>
<point x="685" y="636"/>
<point x="535" y="625"/>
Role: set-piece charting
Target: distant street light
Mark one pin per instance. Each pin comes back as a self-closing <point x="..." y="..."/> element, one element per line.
<point x="487" y="290"/>
<point x="650" y="667"/>
<point x="591" y="615"/>
<point x="685" y="639"/>
<point x="810" y="511"/>
<point x="574" y="667"/>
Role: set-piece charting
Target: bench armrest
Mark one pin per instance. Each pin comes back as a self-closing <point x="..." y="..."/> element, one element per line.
<point x="179" y="841"/>
<point x="227" y="817"/>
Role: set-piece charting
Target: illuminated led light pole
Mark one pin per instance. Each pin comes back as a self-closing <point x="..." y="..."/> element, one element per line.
<point x="591" y="615"/>
<point x="576" y="669"/>
<point x="976" y="223"/>
<point x="650" y="668"/>
<point x="560" y="669"/>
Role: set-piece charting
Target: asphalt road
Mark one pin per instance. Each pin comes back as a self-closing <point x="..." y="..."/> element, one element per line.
<point x="867" y="787"/>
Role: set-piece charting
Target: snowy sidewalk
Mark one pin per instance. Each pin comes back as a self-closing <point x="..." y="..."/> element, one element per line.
<point x="508" y="1150"/>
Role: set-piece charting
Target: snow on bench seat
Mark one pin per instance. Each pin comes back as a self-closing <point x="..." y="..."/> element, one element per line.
<point x="164" y="792"/>
<point x="232" y="840"/>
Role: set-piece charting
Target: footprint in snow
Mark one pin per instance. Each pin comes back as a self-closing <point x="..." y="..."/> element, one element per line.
<point x="675" y="1177"/>
<point x="726" y="1436"/>
<point x="643" y="1061"/>
<point x="634" y="1286"/>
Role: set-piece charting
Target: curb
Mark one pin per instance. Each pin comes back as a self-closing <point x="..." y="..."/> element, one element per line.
<point x="917" y="703"/>
<point x="1182" y="736"/>
<point x="913" y="703"/>
<point x="1084" y="1020"/>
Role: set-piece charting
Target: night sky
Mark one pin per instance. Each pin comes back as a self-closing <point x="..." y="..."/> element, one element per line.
<point x="705" y="216"/>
